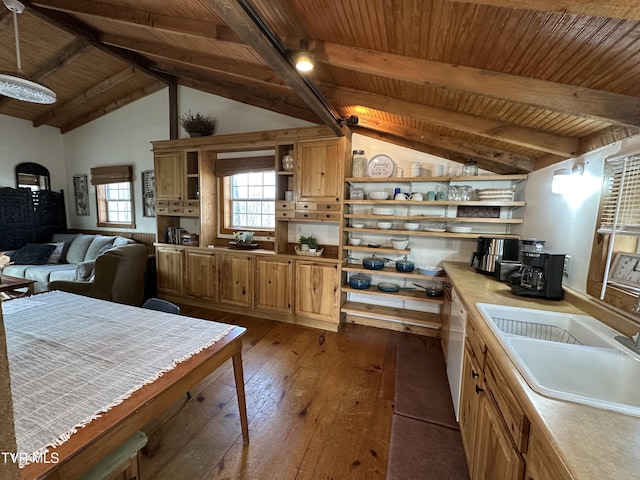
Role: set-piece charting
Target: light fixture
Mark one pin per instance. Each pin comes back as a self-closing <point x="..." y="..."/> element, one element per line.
<point x="563" y="178"/>
<point x="16" y="87"/>
<point x="303" y="59"/>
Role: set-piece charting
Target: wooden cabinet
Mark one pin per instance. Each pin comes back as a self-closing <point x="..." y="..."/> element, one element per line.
<point x="235" y="279"/>
<point x="319" y="167"/>
<point x="496" y="458"/>
<point x="170" y="269"/>
<point x="273" y="286"/>
<point x="169" y="176"/>
<point x="201" y="276"/>
<point x="317" y="290"/>
<point x="543" y="463"/>
<point x="469" y="401"/>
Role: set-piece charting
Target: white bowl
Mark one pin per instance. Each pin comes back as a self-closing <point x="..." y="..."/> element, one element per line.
<point x="382" y="211"/>
<point x="357" y="225"/>
<point x="399" y="244"/>
<point x="355" y="241"/>
<point x="378" y="195"/>
<point x="411" y="226"/>
<point x="430" y="270"/>
<point x="384" y="225"/>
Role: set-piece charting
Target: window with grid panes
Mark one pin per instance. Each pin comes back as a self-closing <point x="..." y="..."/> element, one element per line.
<point x="251" y="200"/>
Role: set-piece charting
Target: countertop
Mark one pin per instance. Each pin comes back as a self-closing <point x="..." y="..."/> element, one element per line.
<point x="594" y="444"/>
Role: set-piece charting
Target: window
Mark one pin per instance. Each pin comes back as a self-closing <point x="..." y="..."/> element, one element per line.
<point x="247" y="189"/>
<point x="114" y="196"/>
<point x="250" y="200"/>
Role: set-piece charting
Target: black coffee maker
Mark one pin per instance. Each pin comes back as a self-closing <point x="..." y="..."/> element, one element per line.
<point x="539" y="276"/>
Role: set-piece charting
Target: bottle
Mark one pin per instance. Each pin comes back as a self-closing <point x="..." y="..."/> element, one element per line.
<point x="358" y="164"/>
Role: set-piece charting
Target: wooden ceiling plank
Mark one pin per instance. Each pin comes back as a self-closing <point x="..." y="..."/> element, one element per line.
<point x="629" y="9"/>
<point x="93" y="92"/>
<point x="69" y="24"/>
<point x="494" y="129"/>
<point x="606" y="136"/>
<point x="186" y="57"/>
<point x="235" y="15"/>
<point x="552" y="96"/>
<point x="142" y="18"/>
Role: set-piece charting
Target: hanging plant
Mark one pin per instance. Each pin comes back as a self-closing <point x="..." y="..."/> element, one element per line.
<point x="198" y="125"/>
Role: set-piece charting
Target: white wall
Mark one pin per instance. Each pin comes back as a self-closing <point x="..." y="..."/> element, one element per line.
<point x="123" y="138"/>
<point x="21" y="142"/>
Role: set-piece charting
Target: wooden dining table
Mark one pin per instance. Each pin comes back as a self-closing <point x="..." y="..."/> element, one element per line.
<point x="102" y="435"/>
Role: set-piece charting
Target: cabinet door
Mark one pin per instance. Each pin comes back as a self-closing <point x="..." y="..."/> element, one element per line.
<point x="170" y="269"/>
<point x="469" y="399"/>
<point x="169" y="176"/>
<point x="274" y="280"/>
<point x="543" y="464"/>
<point x="235" y="274"/>
<point x="496" y="456"/>
<point x="317" y="291"/>
<point x="319" y="170"/>
<point x="201" y="274"/>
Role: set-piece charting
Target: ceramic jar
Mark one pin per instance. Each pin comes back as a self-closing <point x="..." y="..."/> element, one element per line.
<point x="287" y="163"/>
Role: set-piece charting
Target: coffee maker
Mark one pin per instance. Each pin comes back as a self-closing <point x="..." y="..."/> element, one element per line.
<point x="490" y="250"/>
<point x="539" y="276"/>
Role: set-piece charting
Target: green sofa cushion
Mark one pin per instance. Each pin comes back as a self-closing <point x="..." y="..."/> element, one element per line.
<point x="78" y="248"/>
<point x="96" y="245"/>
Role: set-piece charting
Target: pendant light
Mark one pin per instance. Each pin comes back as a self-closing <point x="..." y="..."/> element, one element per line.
<point x="16" y="87"/>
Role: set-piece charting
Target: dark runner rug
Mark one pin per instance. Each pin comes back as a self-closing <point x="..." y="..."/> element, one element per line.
<point x="422" y="388"/>
<point x="424" y="451"/>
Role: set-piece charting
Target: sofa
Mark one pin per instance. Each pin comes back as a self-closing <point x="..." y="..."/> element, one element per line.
<point x="68" y="257"/>
<point x="118" y="276"/>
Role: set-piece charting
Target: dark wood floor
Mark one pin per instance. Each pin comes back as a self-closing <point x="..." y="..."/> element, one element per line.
<point x="319" y="404"/>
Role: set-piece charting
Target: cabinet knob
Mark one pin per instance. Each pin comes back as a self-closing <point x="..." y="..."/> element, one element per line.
<point x="474" y="374"/>
<point x="479" y="390"/>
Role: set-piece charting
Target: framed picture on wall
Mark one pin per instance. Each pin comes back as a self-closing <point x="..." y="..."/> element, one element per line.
<point x="81" y="195"/>
<point x="148" y="193"/>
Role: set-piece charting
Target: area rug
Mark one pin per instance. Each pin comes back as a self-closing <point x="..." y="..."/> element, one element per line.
<point x="424" y="451"/>
<point x="422" y="389"/>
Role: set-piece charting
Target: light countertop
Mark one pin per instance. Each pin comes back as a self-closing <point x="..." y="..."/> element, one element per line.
<point x="594" y="444"/>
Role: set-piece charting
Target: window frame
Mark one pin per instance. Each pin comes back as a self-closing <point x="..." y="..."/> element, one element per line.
<point x="225" y="210"/>
<point x="102" y="209"/>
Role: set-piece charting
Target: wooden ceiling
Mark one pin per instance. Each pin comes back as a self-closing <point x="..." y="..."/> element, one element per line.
<point x="513" y="88"/>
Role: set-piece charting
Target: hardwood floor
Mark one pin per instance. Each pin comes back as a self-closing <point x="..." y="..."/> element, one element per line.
<point x="319" y="404"/>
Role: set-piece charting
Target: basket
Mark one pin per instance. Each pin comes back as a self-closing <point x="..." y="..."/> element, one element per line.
<point x="309" y="254"/>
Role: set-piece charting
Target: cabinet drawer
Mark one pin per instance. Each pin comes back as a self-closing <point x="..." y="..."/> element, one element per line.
<point x="331" y="216"/>
<point x="323" y="207"/>
<point x="286" y="214"/>
<point x="283" y="205"/>
<point x="306" y="206"/>
<point x="162" y="203"/>
<point x="191" y="211"/>
<point x="176" y="210"/>
<point x="162" y="210"/>
<point x="301" y="214"/>
<point x="514" y="418"/>
<point x="477" y="345"/>
<point x="175" y="203"/>
<point x="191" y="204"/>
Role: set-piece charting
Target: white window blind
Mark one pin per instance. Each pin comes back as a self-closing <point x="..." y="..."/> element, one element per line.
<point x="620" y="211"/>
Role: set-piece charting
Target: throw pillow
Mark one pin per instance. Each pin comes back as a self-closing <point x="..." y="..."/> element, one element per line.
<point x="84" y="270"/>
<point x="122" y="241"/>
<point x="104" y="248"/>
<point x="33" y="254"/>
<point x="57" y="253"/>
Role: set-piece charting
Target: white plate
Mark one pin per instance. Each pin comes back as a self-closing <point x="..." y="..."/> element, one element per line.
<point x="460" y="229"/>
<point x="431" y="229"/>
<point x="380" y="166"/>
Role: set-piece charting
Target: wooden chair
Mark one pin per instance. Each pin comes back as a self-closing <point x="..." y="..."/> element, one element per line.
<point x="121" y="464"/>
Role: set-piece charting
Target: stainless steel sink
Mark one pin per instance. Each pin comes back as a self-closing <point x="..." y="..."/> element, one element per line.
<point x="568" y="357"/>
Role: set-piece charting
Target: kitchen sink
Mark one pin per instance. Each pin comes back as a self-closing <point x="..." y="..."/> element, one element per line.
<point x="567" y="356"/>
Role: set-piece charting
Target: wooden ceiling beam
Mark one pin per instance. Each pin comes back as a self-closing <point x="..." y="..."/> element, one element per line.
<point x="552" y="96"/>
<point x="61" y="110"/>
<point x="113" y="106"/>
<point x="187" y="57"/>
<point x="484" y="127"/>
<point x="487" y="157"/>
<point x="69" y="24"/>
<point x="248" y="26"/>
<point x="629" y="9"/>
<point x="142" y="18"/>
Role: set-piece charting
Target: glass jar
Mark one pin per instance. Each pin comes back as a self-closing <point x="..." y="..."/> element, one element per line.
<point x="287" y="163"/>
<point x="358" y="164"/>
<point x="470" y="169"/>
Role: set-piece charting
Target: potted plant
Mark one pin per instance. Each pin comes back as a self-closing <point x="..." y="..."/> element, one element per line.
<point x="307" y="243"/>
<point x="243" y="238"/>
<point x="198" y="125"/>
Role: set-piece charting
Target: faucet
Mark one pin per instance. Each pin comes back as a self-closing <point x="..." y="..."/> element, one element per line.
<point x="630" y="342"/>
<point x="636" y="307"/>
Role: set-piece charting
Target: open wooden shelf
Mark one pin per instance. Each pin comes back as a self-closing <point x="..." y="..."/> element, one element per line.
<point x="417" y="295"/>
<point x="392" y="272"/>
